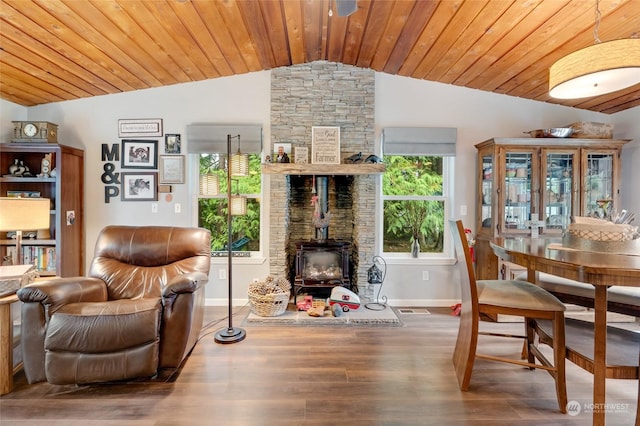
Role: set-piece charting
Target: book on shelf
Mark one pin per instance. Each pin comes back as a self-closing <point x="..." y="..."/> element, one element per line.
<point x="42" y="257"/>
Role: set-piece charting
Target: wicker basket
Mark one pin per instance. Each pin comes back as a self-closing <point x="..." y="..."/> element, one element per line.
<point x="591" y="130"/>
<point x="269" y="298"/>
<point x="601" y="230"/>
<point x="15" y="276"/>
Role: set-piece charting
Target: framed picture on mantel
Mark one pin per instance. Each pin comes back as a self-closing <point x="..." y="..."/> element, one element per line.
<point x="325" y="145"/>
<point x="301" y="155"/>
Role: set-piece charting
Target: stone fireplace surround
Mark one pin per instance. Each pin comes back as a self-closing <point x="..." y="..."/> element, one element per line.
<point x="323" y="94"/>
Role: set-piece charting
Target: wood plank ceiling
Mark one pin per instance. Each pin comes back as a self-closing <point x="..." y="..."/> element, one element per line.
<point x="55" y="50"/>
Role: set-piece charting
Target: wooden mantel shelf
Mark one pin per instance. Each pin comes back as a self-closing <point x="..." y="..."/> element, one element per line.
<point x="322" y="169"/>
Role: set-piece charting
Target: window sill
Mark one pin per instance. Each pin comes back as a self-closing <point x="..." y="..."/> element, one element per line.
<point x="251" y="260"/>
<point x="408" y="260"/>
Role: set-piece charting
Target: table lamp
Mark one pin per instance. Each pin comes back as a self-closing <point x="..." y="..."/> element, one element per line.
<point x="18" y="214"/>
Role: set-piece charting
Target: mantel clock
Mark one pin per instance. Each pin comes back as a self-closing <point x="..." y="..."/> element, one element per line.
<point x="35" y="131"/>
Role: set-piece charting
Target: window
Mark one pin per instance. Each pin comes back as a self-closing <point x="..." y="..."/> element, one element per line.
<point x="416" y="191"/>
<point x="212" y="209"/>
<point x="210" y="143"/>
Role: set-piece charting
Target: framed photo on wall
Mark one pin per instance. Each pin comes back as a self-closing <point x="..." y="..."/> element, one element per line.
<point x="172" y="144"/>
<point x="171" y="169"/>
<point x="139" y="186"/>
<point x="139" y="154"/>
<point x="325" y="145"/>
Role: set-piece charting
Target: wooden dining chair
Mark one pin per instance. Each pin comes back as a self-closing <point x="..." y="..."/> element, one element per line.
<point x="508" y="297"/>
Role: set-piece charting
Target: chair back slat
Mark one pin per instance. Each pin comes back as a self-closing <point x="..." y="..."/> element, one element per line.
<point x="468" y="288"/>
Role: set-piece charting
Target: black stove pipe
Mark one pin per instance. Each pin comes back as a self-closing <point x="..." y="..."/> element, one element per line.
<point x="322" y="191"/>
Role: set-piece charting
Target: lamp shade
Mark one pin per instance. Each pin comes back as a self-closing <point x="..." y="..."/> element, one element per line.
<point x="238" y="205"/>
<point x="596" y="70"/>
<point x="209" y="184"/>
<point x="239" y="164"/>
<point x="24" y="213"/>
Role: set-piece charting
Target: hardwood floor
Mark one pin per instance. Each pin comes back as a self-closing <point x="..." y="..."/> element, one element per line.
<point x="325" y="375"/>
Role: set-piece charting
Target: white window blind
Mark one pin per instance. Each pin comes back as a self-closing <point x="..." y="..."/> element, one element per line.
<point x="206" y="138"/>
<point x="439" y="141"/>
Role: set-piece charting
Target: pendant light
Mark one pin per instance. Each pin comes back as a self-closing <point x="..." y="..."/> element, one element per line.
<point x="238" y="205"/>
<point x="239" y="162"/>
<point x="209" y="184"/>
<point x="596" y="70"/>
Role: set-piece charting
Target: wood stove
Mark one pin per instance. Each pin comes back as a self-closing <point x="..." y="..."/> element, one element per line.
<point x="321" y="264"/>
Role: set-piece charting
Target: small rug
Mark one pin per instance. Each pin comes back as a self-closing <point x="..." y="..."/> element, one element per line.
<point x="359" y="317"/>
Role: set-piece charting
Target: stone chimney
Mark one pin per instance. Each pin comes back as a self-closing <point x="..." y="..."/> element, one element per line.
<point x="323" y="94"/>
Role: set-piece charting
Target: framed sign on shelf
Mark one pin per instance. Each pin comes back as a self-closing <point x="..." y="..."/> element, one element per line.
<point x="325" y="145"/>
<point x="300" y="155"/>
<point x="171" y="169"/>
<point x="139" y="186"/>
<point x="139" y="154"/>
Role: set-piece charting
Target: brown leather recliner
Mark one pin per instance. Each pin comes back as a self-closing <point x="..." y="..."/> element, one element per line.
<point x="139" y="311"/>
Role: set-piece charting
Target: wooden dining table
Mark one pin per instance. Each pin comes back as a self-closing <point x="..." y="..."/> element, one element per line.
<point x="599" y="269"/>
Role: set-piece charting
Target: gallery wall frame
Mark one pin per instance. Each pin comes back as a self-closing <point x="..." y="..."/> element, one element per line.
<point x="172" y="143"/>
<point x="139" y="154"/>
<point x="171" y="169"/>
<point x="139" y="127"/>
<point x="142" y="186"/>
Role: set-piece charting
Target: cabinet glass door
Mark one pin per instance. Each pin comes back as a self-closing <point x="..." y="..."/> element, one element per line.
<point x="598" y="187"/>
<point x="487" y="190"/>
<point x="558" y="189"/>
<point x="517" y="190"/>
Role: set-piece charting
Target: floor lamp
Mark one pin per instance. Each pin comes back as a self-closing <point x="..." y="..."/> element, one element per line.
<point x="238" y="165"/>
<point x="18" y="214"/>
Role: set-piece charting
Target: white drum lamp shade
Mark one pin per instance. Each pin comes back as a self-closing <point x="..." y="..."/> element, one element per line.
<point x="595" y="70"/>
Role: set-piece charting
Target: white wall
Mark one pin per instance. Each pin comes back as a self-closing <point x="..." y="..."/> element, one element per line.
<point x="10" y="112"/>
<point x="400" y="101"/>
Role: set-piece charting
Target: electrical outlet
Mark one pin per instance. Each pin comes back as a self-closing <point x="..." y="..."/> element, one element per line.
<point x="222" y="274"/>
<point x="154" y="207"/>
<point x="177" y="208"/>
<point x="425" y="275"/>
<point x="463" y="210"/>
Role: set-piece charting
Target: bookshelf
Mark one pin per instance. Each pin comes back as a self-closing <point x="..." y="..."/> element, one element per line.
<point x="58" y="251"/>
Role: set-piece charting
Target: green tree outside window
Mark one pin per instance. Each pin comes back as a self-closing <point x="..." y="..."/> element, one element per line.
<point x="212" y="210"/>
<point x="413" y="203"/>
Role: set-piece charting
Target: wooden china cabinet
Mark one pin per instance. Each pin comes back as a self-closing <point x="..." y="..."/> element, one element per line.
<point x="552" y="177"/>
<point x="61" y="251"/>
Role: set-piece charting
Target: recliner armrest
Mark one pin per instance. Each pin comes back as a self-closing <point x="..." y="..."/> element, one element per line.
<point x="185" y="283"/>
<point x="183" y="302"/>
<point x="61" y="291"/>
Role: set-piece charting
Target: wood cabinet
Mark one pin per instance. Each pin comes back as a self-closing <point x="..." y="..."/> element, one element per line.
<point x="552" y="178"/>
<point x="63" y="247"/>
